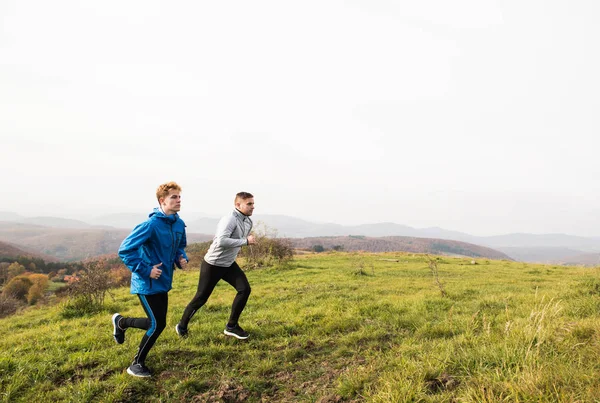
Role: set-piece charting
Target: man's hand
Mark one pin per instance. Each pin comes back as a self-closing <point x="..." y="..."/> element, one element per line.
<point x="251" y="240"/>
<point x="156" y="272"/>
<point x="182" y="262"/>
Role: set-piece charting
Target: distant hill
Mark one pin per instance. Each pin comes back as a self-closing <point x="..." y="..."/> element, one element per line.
<point x="120" y="220"/>
<point x="540" y="254"/>
<point x="297" y="228"/>
<point x="202" y="225"/>
<point x="401" y="244"/>
<point x="291" y="227"/>
<point x="13" y="252"/>
<point x="543" y="248"/>
<point x="55" y="222"/>
<point x="130" y="220"/>
<point x="70" y="244"/>
<point x="588" y="259"/>
<point x="543" y="241"/>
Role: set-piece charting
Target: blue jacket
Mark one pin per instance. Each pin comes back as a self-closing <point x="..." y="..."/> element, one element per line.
<point x="160" y="239"/>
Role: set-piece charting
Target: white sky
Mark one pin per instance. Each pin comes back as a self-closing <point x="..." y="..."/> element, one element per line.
<point x="473" y="115"/>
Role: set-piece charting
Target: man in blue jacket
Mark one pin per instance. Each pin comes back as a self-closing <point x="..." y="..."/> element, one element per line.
<point x="151" y="252"/>
<point x="233" y="232"/>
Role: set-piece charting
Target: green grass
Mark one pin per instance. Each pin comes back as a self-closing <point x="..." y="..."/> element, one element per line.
<point x="333" y="327"/>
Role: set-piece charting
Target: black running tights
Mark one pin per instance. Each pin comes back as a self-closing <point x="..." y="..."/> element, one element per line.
<point x="155" y="306"/>
<point x="209" y="277"/>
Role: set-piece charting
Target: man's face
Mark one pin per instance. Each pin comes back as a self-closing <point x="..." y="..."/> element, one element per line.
<point x="246" y="207"/>
<point x="172" y="203"/>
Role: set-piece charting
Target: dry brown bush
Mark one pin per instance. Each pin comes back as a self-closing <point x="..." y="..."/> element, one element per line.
<point x="268" y="250"/>
<point x="195" y="253"/>
<point x="121" y="276"/>
<point x="8" y="305"/>
<point x="87" y="294"/>
<point x="93" y="284"/>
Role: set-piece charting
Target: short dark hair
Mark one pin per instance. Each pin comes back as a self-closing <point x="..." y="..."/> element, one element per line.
<point x="243" y="196"/>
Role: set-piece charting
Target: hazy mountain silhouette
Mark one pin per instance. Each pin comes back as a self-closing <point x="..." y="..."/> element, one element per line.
<point x="55" y="222"/>
<point x="9" y="216"/>
<point x="203" y="225"/>
<point x="544" y="241"/>
<point x="195" y="222"/>
<point x="119" y="220"/>
<point x="588" y="259"/>
<point x="541" y="254"/>
<point x="70" y="244"/>
<point x="400" y="243"/>
<point x="544" y="248"/>
<point x="11" y="251"/>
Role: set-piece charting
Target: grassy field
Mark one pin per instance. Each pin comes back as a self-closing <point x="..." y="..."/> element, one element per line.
<point x="332" y="328"/>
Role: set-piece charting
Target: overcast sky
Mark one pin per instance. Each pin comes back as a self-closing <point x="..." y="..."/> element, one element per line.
<point x="472" y="115"/>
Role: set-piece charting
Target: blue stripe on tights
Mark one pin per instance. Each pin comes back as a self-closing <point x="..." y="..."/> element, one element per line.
<point x="151" y="314"/>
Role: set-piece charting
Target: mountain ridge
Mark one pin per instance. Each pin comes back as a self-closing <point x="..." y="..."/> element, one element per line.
<point x="541" y="248"/>
<point x="401" y="243"/>
<point x="70" y="244"/>
<point x="11" y="251"/>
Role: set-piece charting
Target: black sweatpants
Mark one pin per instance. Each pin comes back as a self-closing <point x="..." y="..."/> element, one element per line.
<point x="209" y="277"/>
<point x="155" y="306"/>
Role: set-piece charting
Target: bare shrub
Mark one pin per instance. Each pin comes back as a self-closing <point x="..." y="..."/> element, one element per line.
<point x="86" y="295"/>
<point x="8" y="305"/>
<point x="195" y="253"/>
<point x="361" y="266"/>
<point x="435" y="273"/>
<point x="268" y="250"/>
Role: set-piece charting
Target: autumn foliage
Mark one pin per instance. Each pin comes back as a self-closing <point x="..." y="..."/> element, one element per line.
<point x="87" y="294"/>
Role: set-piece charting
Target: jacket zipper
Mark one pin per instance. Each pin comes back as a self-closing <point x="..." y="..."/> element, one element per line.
<point x="173" y="250"/>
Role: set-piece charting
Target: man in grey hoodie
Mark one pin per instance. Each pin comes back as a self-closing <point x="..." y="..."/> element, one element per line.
<point x="233" y="232"/>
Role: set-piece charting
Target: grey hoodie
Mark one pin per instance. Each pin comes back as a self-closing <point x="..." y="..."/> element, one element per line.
<point x="232" y="233"/>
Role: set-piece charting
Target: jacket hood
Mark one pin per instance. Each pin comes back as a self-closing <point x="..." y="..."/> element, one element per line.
<point x="157" y="213"/>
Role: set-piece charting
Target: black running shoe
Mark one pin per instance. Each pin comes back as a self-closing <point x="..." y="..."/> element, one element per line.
<point x="139" y="370"/>
<point x="118" y="333"/>
<point x="236" y="331"/>
<point x="181" y="332"/>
